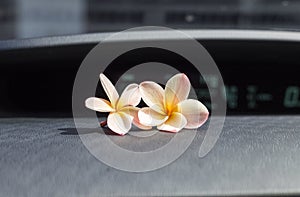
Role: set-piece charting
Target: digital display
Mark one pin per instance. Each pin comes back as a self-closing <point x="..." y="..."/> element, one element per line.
<point x="254" y="97"/>
<point x="254" y="83"/>
<point x="243" y="98"/>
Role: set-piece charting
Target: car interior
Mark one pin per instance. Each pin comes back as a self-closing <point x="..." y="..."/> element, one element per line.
<point x="255" y="45"/>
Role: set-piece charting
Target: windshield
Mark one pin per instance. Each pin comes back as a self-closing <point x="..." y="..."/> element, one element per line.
<point x="37" y="18"/>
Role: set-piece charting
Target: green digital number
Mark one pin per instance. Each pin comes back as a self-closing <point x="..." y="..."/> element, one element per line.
<point x="291" y="98"/>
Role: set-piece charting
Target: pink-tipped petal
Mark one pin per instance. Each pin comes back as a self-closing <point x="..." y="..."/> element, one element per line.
<point x="139" y="125"/>
<point x="133" y="111"/>
<point x="98" y="104"/>
<point x="149" y="117"/>
<point x="175" y="123"/>
<point x="177" y="89"/>
<point x="109" y="89"/>
<point x="194" y="111"/>
<point x="130" y="96"/>
<point x="119" y="122"/>
<point x="153" y="95"/>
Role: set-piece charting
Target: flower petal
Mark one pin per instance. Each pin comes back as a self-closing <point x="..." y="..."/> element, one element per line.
<point x="194" y="111"/>
<point x="119" y="122"/>
<point x="149" y="117"/>
<point x="133" y="111"/>
<point x="98" y="104"/>
<point x="177" y="89"/>
<point x="153" y="95"/>
<point x="130" y="96"/>
<point x="175" y="123"/>
<point x="109" y="89"/>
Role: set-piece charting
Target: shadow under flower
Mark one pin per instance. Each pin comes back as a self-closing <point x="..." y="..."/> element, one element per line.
<point x="84" y="131"/>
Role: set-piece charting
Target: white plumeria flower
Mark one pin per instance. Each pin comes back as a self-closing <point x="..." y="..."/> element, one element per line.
<point x="169" y="109"/>
<point x="122" y="108"/>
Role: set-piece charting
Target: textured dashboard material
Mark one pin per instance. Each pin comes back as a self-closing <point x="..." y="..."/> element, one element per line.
<point x="254" y="155"/>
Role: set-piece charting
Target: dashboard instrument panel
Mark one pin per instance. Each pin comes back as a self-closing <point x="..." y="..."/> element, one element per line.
<point x="260" y="70"/>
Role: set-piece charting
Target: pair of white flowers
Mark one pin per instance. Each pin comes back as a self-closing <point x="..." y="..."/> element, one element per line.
<point x="168" y="109"/>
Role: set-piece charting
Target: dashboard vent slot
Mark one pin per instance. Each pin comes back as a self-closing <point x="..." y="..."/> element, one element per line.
<point x="270" y="19"/>
<point x="211" y="19"/>
<point x="115" y="16"/>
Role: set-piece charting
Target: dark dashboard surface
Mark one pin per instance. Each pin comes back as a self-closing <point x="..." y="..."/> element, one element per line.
<point x="257" y="155"/>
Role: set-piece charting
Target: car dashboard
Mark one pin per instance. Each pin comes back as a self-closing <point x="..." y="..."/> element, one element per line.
<point x="257" y="152"/>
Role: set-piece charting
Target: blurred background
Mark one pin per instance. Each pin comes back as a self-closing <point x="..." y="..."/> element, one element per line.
<point x="37" y="18"/>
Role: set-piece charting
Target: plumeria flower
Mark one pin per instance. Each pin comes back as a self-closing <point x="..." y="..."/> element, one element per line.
<point x="122" y="109"/>
<point x="169" y="109"/>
